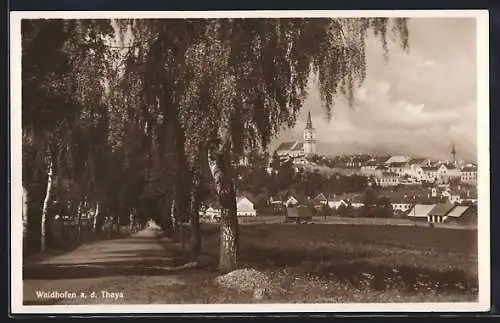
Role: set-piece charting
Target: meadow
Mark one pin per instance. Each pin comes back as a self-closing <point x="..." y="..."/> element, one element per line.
<point x="347" y="263"/>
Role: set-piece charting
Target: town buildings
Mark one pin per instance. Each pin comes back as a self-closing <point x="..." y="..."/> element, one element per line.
<point x="304" y="148"/>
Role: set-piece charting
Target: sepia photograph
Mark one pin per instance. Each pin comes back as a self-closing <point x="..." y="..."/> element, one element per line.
<point x="295" y="161"/>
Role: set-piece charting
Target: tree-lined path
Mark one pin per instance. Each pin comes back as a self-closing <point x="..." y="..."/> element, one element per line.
<point x="111" y="265"/>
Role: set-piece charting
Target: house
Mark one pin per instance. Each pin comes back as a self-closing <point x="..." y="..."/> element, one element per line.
<point x="416" y="171"/>
<point x="291" y="149"/>
<point x="401" y="206"/>
<point x="335" y="202"/>
<point x="430" y="173"/>
<point x="452" y="171"/>
<point x="275" y="200"/>
<point x="468" y="174"/>
<point x="419" y="162"/>
<point x="399" y="168"/>
<point x="397" y="159"/>
<point x="420" y="211"/>
<point x="451" y="196"/>
<point x="439" y="212"/>
<point x="320" y="199"/>
<point x="212" y="212"/>
<point x="462" y="215"/>
<point x="388" y="179"/>
<point x="402" y="199"/>
<point x="301" y="161"/>
<point x="369" y="169"/>
<point x="352" y="199"/>
<point x="299" y="214"/>
<point x="469" y="196"/>
<point x="291" y="201"/>
<point x="245" y="207"/>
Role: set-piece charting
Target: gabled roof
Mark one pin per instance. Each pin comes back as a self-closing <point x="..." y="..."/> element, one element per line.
<point x="298" y="146"/>
<point x="469" y="169"/>
<point x="430" y="168"/>
<point x="397" y="159"/>
<point x="351" y="197"/>
<point x="441" y="209"/>
<point x="285" y="146"/>
<point x="243" y="197"/>
<point x="397" y="164"/>
<point x="458" y="211"/>
<point x="421" y="210"/>
<point x="320" y="197"/>
<point x="417" y="161"/>
<point x="404" y="196"/>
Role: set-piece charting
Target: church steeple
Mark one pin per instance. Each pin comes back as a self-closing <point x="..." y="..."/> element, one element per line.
<point x="309" y="142"/>
<point x="453" y="152"/>
<point x="309" y="122"/>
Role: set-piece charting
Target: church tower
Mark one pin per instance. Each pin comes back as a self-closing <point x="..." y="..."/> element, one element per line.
<point x="309" y="137"/>
<point x="454" y="153"/>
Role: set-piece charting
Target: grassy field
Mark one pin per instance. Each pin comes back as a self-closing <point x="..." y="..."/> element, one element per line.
<point x="309" y="263"/>
<point x="402" y="221"/>
<point x="349" y="263"/>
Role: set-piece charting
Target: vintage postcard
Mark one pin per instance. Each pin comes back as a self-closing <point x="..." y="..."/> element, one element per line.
<point x="259" y="161"/>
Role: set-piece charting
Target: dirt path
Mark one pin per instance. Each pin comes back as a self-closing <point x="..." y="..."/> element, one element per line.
<point x="103" y="271"/>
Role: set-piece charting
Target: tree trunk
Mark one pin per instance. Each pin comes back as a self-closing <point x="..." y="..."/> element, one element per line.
<point x="219" y="164"/>
<point x="43" y="229"/>
<point x="194" y="209"/>
<point x="131" y="221"/>
<point x="96" y="215"/>
<point x="173" y="218"/>
<point x="25" y="218"/>
<point x="78" y="222"/>
<point x="195" y="239"/>
<point x="166" y="218"/>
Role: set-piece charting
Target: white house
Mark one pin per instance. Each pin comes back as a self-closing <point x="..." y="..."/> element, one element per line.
<point x="369" y="169"/>
<point x="468" y="174"/>
<point x="291" y="201"/>
<point x="399" y="168"/>
<point x="453" y="171"/>
<point x="415" y="171"/>
<point x="430" y="173"/>
<point x="245" y="207"/>
<point x="388" y="179"/>
<point x="452" y="197"/>
<point x="335" y="203"/>
<point x="212" y="212"/>
<point x="401" y="206"/>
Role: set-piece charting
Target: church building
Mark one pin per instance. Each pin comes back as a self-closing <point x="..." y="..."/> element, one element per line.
<point x="306" y="147"/>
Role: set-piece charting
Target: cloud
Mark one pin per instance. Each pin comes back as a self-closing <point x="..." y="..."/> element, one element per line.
<point x="416" y="102"/>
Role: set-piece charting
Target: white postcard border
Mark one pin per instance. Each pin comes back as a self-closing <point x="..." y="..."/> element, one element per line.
<point x="483" y="304"/>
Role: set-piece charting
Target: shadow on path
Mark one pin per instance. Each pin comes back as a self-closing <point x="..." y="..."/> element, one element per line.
<point x="140" y="254"/>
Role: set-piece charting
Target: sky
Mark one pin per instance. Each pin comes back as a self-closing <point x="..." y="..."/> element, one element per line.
<point x="415" y="103"/>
